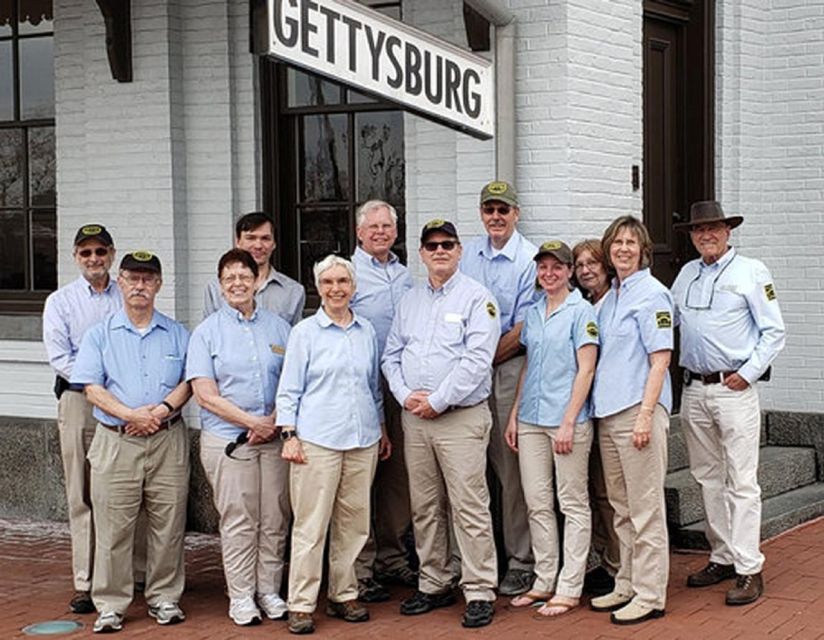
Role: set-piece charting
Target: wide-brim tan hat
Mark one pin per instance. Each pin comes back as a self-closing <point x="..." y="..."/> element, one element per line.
<point x="707" y="212"/>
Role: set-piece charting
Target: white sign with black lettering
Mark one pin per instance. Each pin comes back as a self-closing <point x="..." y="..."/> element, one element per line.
<point x="350" y="43"/>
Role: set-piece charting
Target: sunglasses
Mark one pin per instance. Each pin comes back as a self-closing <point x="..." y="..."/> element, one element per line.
<point x="446" y="245"/>
<point x="241" y="439"/>
<point x="99" y="252"/>
<point x="490" y="209"/>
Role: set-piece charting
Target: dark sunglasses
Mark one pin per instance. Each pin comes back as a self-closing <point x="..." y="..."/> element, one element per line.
<point x="503" y="209"/>
<point x="242" y="439"/>
<point x="447" y="245"/>
<point x="99" y="252"/>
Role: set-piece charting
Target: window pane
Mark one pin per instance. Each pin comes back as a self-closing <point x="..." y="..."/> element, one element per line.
<point x="379" y="156"/>
<point x="322" y="231"/>
<point x="11" y="167"/>
<point x="41" y="167"/>
<point x="355" y="97"/>
<point x="36" y="78"/>
<point x="35" y="16"/>
<point x="6" y="82"/>
<point x="44" y="243"/>
<point x="324" y="156"/>
<point x="5" y="20"/>
<point x="308" y="90"/>
<point x="12" y="250"/>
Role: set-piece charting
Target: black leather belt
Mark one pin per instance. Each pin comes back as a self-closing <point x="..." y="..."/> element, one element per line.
<point x="166" y="424"/>
<point x="708" y="378"/>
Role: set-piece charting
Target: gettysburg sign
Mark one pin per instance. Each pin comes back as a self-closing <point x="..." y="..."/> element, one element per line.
<point x="349" y="43"/>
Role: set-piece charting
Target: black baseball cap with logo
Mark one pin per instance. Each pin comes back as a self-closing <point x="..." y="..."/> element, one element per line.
<point x="140" y="261"/>
<point x="93" y="232"/>
<point x="438" y="225"/>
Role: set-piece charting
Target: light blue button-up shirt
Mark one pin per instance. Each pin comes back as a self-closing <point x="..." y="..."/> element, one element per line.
<point x="279" y="294"/>
<point x="634" y="321"/>
<point x="380" y="288"/>
<point x="552" y="358"/>
<point x="244" y="357"/>
<point x="330" y="384"/>
<point x="69" y="313"/>
<point x="729" y="316"/>
<point x="136" y="369"/>
<point x="509" y="275"/>
<point x="443" y="341"/>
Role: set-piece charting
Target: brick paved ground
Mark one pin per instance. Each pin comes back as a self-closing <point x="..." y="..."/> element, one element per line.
<point x="34" y="586"/>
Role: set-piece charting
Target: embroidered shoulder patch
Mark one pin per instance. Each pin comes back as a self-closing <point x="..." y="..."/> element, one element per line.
<point x="491" y="310"/>
<point x="663" y="319"/>
<point x="769" y="291"/>
<point x="276" y="348"/>
<point x="592" y="329"/>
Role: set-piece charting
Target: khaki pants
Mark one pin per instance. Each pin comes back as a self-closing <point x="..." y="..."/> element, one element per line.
<point x="605" y="544"/>
<point x="330" y="492"/>
<point x="76" y="428"/>
<point x="538" y="461"/>
<point x="505" y="465"/>
<point x="251" y="494"/>
<point x="446" y="458"/>
<point x="722" y="428"/>
<point x="635" y="484"/>
<point x="127" y="472"/>
<point x="391" y="515"/>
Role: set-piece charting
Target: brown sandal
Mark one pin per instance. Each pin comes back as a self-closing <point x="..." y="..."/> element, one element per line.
<point x="558" y="606"/>
<point x="529" y="598"/>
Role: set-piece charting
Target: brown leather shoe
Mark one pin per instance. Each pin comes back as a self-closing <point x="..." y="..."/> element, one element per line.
<point x="82" y="602"/>
<point x="713" y="573"/>
<point x="351" y="611"/>
<point x="300" y="622"/>
<point x="747" y="589"/>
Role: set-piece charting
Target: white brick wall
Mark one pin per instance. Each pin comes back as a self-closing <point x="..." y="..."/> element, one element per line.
<point x="770" y="169"/>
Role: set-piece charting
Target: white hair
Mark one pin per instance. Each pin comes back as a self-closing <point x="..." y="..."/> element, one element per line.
<point x="371" y="205"/>
<point x="333" y="261"/>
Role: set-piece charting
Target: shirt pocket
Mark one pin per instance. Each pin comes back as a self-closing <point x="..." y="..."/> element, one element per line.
<point x="450" y="330"/>
<point x="172" y="370"/>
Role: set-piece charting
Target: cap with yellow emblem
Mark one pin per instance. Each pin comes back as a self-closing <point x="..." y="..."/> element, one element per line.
<point x="556" y="248"/>
<point x="93" y="232"/>
<point x="140" y="261"/>
<point x="501" y="191"/>
<point x="438" y="225"/>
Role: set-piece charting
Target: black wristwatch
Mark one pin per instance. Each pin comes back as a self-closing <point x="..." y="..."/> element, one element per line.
<point x="286" y="434"/>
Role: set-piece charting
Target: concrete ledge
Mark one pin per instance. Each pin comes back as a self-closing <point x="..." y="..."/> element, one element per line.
<point x="789" y="428"/>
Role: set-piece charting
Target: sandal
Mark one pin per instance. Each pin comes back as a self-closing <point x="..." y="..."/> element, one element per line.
<point x="558" y="606"/>
<point x="529" y="598"/>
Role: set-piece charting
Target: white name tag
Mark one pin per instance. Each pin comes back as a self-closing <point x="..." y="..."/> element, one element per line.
<point x="453" y="317"/>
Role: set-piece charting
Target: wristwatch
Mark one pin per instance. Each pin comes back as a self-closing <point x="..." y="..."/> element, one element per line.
<point x="286" y="434"/>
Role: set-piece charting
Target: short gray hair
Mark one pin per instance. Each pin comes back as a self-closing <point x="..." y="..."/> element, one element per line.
<point x="369" y="206"/>
<point x="333" y="261"/>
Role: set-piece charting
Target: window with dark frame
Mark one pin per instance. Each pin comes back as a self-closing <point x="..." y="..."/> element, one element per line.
<point x="28" y="234"/>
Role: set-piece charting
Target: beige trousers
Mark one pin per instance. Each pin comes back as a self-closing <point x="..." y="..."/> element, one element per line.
<point x="514" y="520"/>
<point x="539" y="462"/>
<point x="635" y="484"/>
<point x="391" y="515"/>
<point x="604" y="539"/>
<point x="76" y="427"/>
<point x="722" y="429"/>
<point x="127" y="472"/>
<point x="251" y="494"/>
<point x="446" y="458"/>
<point x="330" y="492"/>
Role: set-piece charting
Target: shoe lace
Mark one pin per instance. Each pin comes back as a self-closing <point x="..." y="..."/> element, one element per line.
<point x="744" y="582"/>
<point x="475" y="606"/>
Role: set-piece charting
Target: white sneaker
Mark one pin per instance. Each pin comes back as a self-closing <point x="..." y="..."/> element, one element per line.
<point x="108" y="622"/>
<point x="243" y="611"/>
<point x="273" y="606"/>
<point x="167" y="613"/>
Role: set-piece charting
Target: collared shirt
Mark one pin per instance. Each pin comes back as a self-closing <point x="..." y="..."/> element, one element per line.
<point x="509" y="274"/>
<point x="634" y="321"/>
<point x="136" y="369"/>
<point x="279" y="294"/>
<point x="443" y="341"/>
<point x="552" y="358"/>
<point x="729" y="316"/>
<point x="68" y="314"/>
<point x="244" y="357"/>
<point x="330" y="383"/>
<point x="380" y="288"/>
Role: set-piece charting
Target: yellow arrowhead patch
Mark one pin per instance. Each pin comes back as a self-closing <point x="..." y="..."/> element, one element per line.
<point x="663" y="319"/>
<point x="491" y="310"/>
<point x="592" y="329"/>
<point x="769" y="291"/>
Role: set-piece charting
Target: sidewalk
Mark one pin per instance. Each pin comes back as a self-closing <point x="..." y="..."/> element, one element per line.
<point x="35" y="587"/>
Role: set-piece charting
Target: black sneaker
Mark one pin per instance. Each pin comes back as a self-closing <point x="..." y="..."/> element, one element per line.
<point x="598" y="582"/>
<point x="478" y="613"/>
<point x="370" y="590"/>
<point x="82" y="603"/>
<point x="420" y="602"/>
<point x="401" y="575"/>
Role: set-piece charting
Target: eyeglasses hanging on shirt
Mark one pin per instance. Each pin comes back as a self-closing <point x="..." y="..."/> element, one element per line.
<point x="691" y="289"/>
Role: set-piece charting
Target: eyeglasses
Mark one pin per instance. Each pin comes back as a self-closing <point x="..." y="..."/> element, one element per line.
<point x="133" y="279"/>
<point x="446" y="245"/>
<point x="490" y="209"/>
<point x="242" y="439"/>
<point x="99" y="252"/>
<point x="589" y="264"/>
<point x="712" y="290"/>
<point x="237" y="278"/>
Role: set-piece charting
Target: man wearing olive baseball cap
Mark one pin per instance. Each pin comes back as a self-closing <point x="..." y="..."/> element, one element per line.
<point x="131" y="366"/>
<point x="502" y="261"/>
